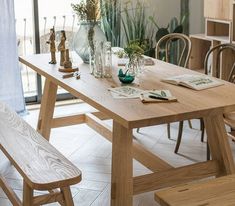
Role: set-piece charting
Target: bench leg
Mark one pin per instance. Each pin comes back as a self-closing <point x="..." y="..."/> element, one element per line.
<point x="27" y="195"/>
<point x="68" y="199"/>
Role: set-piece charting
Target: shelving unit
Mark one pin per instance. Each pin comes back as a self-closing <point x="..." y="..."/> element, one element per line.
<point x="201" y="46"/>
<point x="219" y="28"/>
<point x="233" y="19"/>
<point x="218" y="9"/>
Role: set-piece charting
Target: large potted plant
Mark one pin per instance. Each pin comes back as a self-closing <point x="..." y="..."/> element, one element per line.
<point x="89" y="31"/>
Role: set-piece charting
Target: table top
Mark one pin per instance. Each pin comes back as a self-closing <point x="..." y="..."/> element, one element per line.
<point x="132" y="113"/>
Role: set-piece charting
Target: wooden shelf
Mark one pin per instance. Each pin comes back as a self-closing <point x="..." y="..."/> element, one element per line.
<point x="199" y="36"/>
<point x="222" y="39"/>
<point x="233" y="30"/>
<point x="219" y="30"/>
<point x="200" y="46"/>
<point x="218" y="9"/>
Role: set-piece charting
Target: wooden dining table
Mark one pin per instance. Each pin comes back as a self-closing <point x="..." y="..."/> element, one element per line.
<point x="127" y="114"/>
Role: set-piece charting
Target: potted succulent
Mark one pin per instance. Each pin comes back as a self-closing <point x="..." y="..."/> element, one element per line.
<point x="89" y="31"/>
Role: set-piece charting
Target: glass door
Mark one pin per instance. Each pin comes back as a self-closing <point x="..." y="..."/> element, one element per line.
<point x="57" y="14"/>
<point x="34" y="18"/>
<point x="25" y="42"/>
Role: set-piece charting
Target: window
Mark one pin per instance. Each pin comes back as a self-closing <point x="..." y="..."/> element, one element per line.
<point x="57" y="13"/>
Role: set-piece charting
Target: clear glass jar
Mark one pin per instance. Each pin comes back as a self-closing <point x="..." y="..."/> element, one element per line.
<point x="107" y="58"/>
<point x="132" y="66"/>
<point x="91" y="60"/>
<point x="140" y="65"/>
<point x="98" y="64"/>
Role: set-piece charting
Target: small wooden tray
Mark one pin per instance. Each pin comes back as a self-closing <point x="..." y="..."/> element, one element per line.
<point x="68" y="70"/>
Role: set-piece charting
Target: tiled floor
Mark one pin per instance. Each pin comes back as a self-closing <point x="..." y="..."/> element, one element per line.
<point x="92" y="154"/>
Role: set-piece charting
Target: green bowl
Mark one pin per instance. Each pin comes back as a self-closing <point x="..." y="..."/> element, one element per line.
<point x="126" y="79"/>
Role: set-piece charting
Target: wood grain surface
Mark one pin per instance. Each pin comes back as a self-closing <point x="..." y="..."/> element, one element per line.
<point x="216" y="192"/>
<point x="40" y="164"/>
<point x="132" y="113"/>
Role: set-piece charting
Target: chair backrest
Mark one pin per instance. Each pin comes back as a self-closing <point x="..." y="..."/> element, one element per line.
<point x="182" y="44"/>
<point x="217" y="51"/>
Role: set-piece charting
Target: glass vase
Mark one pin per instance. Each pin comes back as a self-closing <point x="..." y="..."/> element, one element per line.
<point x="132" y="66"/>
<point x="89" y="33"/>
<point x="107" y="59"/>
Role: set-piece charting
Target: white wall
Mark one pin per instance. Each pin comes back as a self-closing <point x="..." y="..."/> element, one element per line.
<point x="164" y="10"/>
<point x="197" y="21"/>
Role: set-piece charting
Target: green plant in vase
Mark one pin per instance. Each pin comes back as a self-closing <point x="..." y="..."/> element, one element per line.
<point x="134" y="51"/>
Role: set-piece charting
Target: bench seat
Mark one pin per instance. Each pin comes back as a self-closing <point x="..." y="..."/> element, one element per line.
<point x="215" y="192"/>
<point x="41" y="165"/>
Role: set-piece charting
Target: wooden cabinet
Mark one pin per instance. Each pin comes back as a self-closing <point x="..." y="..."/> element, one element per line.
<point x="201" y="44"/>
<point x="218" y="9"/>
<point x="220" y="28"/>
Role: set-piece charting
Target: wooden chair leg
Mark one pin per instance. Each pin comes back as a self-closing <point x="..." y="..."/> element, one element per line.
<point x="168" y="130"/>
<point x="208" y="153"/>
<point x="202" y="126"/>
<point x="190" y="124"/>
<point x="27" y="195"/>
<point x="181" y="125"/>
<point x="68" y="199"/>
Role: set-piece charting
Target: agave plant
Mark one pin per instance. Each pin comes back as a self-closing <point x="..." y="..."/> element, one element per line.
<point x="184" y="11"/>
<point x="111" y="20"/>
<point x="136" y="25"/>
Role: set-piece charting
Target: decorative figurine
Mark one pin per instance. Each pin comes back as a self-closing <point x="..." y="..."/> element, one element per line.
<point x="51" y="41"/>
<point x="67" y="61"/>
<point x="61" y="47"/>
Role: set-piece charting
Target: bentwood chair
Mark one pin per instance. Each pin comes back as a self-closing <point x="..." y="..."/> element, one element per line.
<point x="168" y="44"/>
<point x="218" y="50"/>
<point x="174" y="48"/>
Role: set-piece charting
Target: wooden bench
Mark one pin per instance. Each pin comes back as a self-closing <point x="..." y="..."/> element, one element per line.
<point x="215" y="192"/>
<point x="39" y="163"/>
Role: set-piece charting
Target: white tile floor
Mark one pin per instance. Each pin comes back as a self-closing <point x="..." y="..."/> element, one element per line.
<point x="92" y="154"/>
